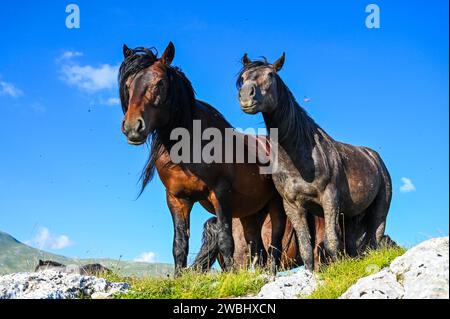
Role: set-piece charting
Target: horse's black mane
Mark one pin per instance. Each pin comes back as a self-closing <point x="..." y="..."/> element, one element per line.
<point x="292" y="119"/>
<point x="180" y="99"/>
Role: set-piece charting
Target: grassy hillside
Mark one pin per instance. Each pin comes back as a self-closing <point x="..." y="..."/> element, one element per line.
<point x="18" y="257"/>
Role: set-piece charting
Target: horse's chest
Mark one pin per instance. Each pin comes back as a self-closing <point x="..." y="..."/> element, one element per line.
<point x="290" y="183"/>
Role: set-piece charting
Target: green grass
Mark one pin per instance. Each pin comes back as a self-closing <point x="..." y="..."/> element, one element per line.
<point x="194" y="285"/>
<point x="334" y="279"/>
<point x="338" y="277"/>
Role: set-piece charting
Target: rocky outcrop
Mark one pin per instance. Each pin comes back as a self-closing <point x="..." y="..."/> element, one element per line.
<point x="86" y="270"/>
<point x="51" y="284"/>
<point x="421" y="273"/>
<point x="290" y="286"/>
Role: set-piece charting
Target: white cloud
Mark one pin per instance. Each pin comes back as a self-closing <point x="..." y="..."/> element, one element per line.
<point x="45" y="240"/>
<point x="87" y="77"/>
<point x="112" y="101"/>
<point x="61" y="242"/>
<point x="67" y="55"/>
<point x="9" y="89"/>
<point x="407" y="185"/>
<point x="146" y="257"/>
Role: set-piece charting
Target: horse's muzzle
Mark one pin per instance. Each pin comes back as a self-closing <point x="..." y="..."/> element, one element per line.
<point x="134" y="131"/>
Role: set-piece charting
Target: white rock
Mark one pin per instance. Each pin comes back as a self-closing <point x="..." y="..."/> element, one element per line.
<point x="101" y="295"/>
<point x="301" y="283"/>
<point x="422" y="272"/>
<point x="55" y="285"/>
<point x="382" y="285"/>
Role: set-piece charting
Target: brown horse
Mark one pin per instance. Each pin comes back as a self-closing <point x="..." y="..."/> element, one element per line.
<point x="158" y="98"/>
<point x="290" y="255"/>
<point x="316" y="173"/>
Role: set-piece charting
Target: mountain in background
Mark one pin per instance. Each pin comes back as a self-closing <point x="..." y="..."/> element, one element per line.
<point x="18" y="257"/>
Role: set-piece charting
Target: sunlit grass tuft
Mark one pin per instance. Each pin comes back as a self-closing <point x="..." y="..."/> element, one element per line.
<point x="336" y="278"/>
<point x="194" y="285"/>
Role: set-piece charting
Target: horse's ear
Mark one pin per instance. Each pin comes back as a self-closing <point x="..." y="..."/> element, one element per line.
<point x="278" y="64"/>
<point x="245" y="60"/>
<point x="169" y="54"/>
<point x="127" y="51"/>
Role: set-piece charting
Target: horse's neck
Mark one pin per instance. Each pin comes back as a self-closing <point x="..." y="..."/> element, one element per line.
<point x="200" y="111"/>
<point x="209" y="116"/>
<point x="293" y="136"/>
<point x="298" y="135"/>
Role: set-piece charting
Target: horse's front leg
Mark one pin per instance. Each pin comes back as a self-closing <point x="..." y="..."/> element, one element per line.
<point x="180" y="209"/>
<point x="220" y="200"/>
<point x="330" y="205"/>
<point x="297" y="214"/>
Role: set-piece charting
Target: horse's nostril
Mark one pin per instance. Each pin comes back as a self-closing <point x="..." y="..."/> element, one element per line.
<point x="252" y="90"/>
<point x="140" y="125"/>
<point x="123" y="127"/>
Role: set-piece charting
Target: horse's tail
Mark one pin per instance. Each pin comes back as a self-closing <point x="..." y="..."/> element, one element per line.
<point x="210" y="246"/>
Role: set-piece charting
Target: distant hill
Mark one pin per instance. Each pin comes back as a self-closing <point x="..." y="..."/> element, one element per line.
<point x="18" y="257"/>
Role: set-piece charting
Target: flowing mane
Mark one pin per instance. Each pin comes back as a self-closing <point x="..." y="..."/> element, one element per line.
<point x="292" y="119"/>
<point x="180" y="100"/>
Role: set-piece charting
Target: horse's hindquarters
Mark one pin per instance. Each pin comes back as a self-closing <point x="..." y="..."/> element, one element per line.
<point x="362" y="180"/>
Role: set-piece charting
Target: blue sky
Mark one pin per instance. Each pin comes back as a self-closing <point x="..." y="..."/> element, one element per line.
<point x="68" y="178"/>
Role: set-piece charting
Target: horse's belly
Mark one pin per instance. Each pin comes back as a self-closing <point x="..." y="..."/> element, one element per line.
<point x="251" y="191"/>
<point x="249" y="194"/>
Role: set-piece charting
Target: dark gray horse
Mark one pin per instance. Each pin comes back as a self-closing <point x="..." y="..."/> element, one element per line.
<point x="316" y="173"/>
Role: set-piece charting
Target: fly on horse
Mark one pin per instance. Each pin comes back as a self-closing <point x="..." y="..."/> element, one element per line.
<point x="157" y="98"/>
<point x="316" y="173"/>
